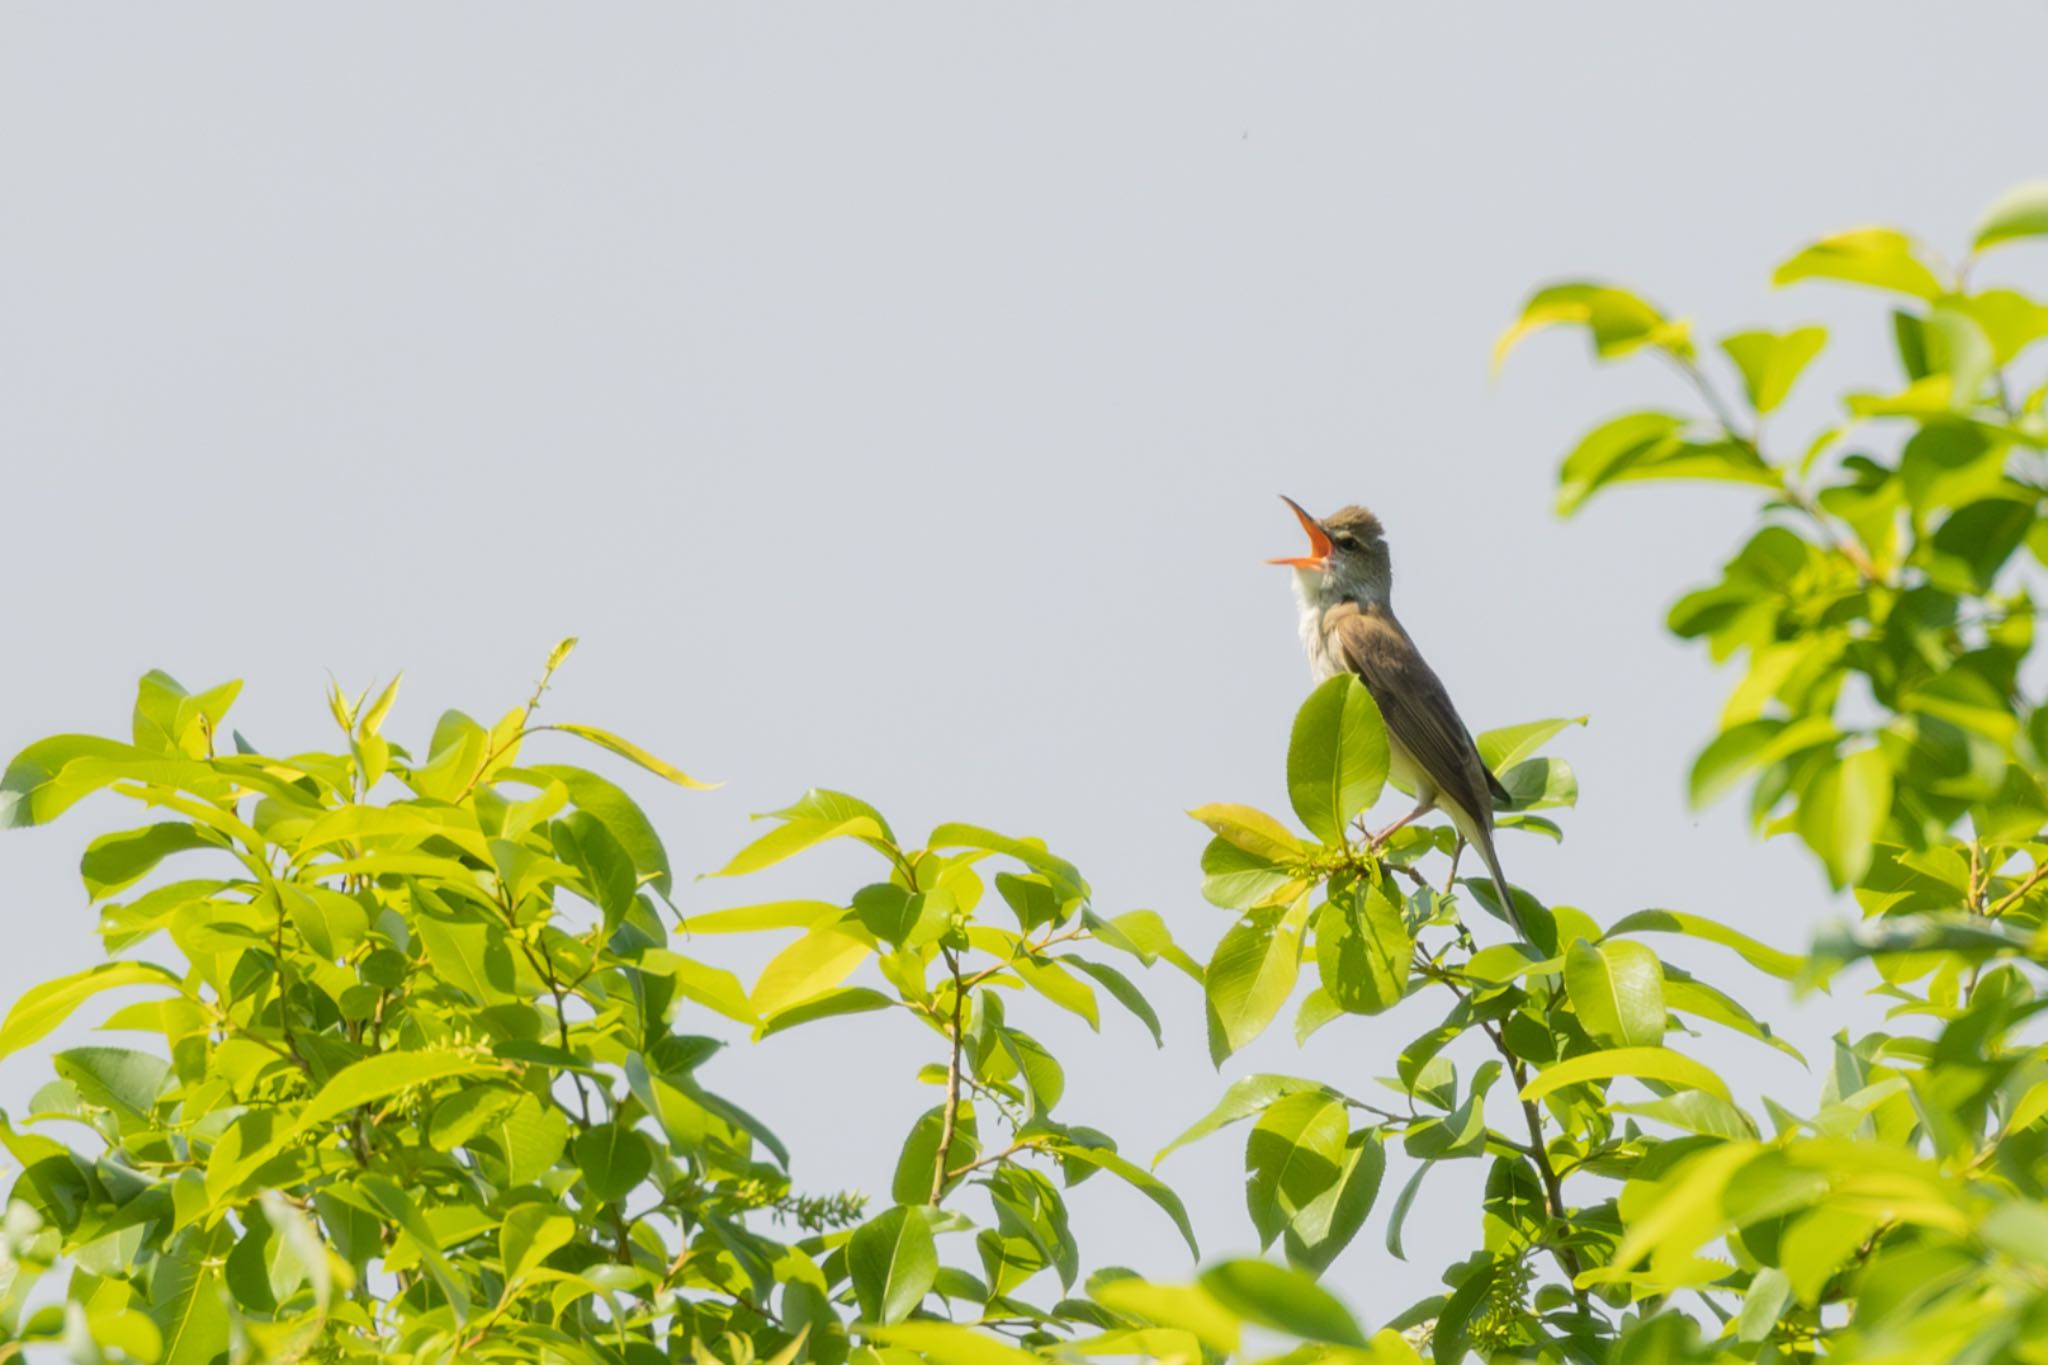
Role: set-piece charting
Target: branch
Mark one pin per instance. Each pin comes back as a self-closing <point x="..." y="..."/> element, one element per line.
<point x="2005" y="902"/>
<point x="1539" y="1151"/>
<point x="952" y="1108"/>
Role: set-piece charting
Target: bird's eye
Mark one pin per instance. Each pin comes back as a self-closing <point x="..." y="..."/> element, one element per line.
<point x="1344" y="542"/>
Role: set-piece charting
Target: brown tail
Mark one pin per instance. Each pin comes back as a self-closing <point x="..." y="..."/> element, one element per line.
<point x="1501" y="888"/>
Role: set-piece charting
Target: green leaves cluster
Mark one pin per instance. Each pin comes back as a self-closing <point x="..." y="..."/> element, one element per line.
<point x="425" y="1088"/>
<point x="1880" y="620"/>
<point x="1565" y="1037"/>
<point x="416" y="1084"/>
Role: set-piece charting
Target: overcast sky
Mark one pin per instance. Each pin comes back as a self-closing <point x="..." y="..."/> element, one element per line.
<point x="893" y="398"/>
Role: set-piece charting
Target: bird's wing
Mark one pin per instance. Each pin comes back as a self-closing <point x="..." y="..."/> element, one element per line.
<point x="1414" y="704"/>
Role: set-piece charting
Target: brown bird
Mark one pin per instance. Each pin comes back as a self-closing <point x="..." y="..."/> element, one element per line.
<point x="1345" y="585"/>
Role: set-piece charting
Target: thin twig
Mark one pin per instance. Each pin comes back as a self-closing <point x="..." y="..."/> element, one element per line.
<point x="951" y="1115"/>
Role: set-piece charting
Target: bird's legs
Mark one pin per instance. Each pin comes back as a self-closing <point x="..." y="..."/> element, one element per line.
<point x="1420" y="810"/>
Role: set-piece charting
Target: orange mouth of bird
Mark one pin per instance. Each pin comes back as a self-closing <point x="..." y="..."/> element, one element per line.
<point x="1318" y="556"/>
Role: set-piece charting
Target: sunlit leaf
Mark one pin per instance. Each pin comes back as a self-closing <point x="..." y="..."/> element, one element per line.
<point x="1880" y="258"/>
<point x="1617" y="990"/>
<point x="2020" y="212"/>
<point x="1641" y="1063"/>
<point x="1336" y="757"/>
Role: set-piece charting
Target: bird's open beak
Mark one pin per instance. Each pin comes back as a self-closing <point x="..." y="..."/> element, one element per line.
<point x="1318" y="556"/>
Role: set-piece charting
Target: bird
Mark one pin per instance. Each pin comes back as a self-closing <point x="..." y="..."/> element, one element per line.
<point x="1344" y="587"/>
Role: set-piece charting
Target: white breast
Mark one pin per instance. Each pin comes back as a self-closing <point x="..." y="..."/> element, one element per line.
<point x="1308" y="591"/>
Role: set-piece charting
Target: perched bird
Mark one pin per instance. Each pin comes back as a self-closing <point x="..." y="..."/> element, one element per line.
<point x="1345" y="584"/>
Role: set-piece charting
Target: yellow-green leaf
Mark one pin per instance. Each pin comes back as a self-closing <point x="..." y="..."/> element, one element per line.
<point x="625" y="748"/>
<point x="1642" y="1063"/>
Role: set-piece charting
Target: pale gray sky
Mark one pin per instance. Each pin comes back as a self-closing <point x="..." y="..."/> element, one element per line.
<point x="893" y="397"/>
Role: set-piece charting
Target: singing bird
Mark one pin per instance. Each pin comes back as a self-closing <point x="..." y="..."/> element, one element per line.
<point x="1345" y="585"/>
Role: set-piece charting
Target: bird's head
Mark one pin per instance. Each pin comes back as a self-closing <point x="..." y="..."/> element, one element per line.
<point x="1347" y="553"/>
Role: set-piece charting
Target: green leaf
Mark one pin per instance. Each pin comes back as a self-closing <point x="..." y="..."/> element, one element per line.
<point x="2020" y="212"/>
<point x="2010" y="320"/>
<point x="467" y="1112"/>
<point x="467" y="951"/>
<point x="398" y="1206"/>
<point x="1047" y="977"/>
<point x="715" y="988"/>
<point x="583" y="841"/>
<point x="1881" y="258"/>
<point x="1771" y="961"/>
<point x="1124" y="991"/>
<point x="1245" y="1097"/>
<point x="815" y="818"/>
<point x="1294" y="1155"/>
<point x="1285" y="1300"/>
<point x="406" y="826"/>
<point x="1234" y="879"/>
<point x="1618" y="321"/>
<point x="1254" y="831"/>
<point x="35" y="789"/>
<point x="1142" y="934"/>
<point x="1362" y="949"/>
<point x="1139" y="1179"/>
<point x="529" y="1138"/>
<point x="604" y="739"/>
<point x="1540" y="784"/>
<point x="1974" y="542"/>
<point x="1066" y="879"/>
<point x="1693" y="1111"/>
<point x="1959" y="347"/>
<point x="1617" y="989"/>
<point x="1397" y="1217"/>
<point x="1031" y="898"/>
<point x="113" y="861"/>
<point x="115" y="1078"/>
<point x="831" y="1005"/>
<point x="1771" y="363"/>
<point x="944" y="1343"/>
<point x="809" y="967"/>
<point x="382" y="1076"/>
<point x="617" y="811"/>
<point x="1321" y="1231"/>
<point x="893" y="1260"/>
<point x="1752" y="745"/>
<point x="1843" y="810"/>
<point x="42" y="1007"/>
<point x="529" y="1235"/>
<point x="1187" y="1308"/>
<point x="1685" y="995"/>
<point x="1642" y="1063"/>
<point x="914" y="1167"/>
<point x="748" y="919"/>
<point x="1336" y="757"/>
<point x="1966" y="700"/>
<point x="333" y="925"/>
<point x="1513" y="743"/>
<point x="1653" y="445"/>
<point x="1249" y="979"/>
<point x="614" y="1159"/>
<point x="2019" y="1228"/>
<point x="190" y="1312"/>
<point x="1770" y="1291"/>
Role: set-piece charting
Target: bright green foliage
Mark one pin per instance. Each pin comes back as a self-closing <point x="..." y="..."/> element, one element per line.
<point x="425" y="1088"/>
<point x="1881" y="616"/>
<point x="425" y="1085"/>
<point x="1569" y="1030"/>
